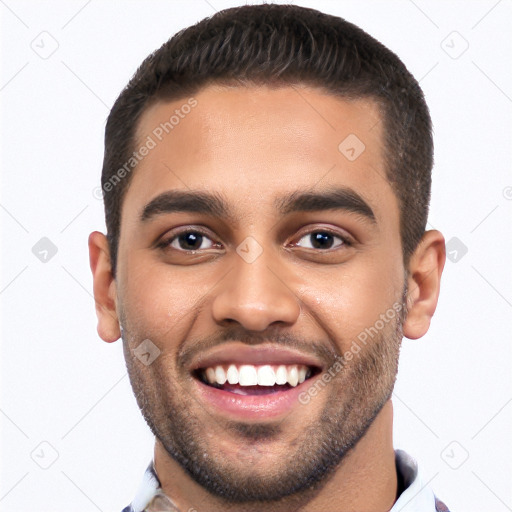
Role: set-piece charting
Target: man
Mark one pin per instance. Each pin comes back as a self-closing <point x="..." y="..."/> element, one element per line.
<point x="266" y="183"/>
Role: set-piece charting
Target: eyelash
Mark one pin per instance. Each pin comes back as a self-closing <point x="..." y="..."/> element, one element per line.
<point x="345" y="242"/>
<point x="166" y="242"/>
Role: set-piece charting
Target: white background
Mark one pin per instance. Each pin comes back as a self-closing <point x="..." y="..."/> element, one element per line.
<point x="61" y="385"/>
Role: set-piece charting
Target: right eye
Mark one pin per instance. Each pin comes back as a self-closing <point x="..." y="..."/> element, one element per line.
<point x="189" y="241"/>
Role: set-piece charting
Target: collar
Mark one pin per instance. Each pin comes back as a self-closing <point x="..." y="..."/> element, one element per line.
<point x="416" y="496"/>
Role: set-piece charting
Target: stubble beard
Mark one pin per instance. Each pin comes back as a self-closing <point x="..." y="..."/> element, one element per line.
<point x="356" y="396"/>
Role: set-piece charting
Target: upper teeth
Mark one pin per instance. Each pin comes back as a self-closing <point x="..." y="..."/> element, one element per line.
<point x="250" y="375"/>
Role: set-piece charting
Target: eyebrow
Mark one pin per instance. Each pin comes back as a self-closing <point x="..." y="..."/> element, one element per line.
<point x="335" y="199"/>
<point x="185" y="201"/>
<point x="214" y="205"/>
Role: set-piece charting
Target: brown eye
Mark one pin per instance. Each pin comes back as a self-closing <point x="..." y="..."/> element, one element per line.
<point x="321" y="240"/>
<point x="190" y="241"/>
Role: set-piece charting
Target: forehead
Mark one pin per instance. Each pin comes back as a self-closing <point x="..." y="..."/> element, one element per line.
<point x="258" y="143"/>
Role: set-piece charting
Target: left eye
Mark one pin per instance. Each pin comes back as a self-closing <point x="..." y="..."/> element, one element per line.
<point x="321" y="240"/>
<point x="191" y="241"/>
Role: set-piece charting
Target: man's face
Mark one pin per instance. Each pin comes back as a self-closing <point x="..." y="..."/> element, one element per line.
<point x="295" y="257"/>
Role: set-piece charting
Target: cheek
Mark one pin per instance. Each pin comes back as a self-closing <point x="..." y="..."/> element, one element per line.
<point x="351" y="299"/>
<point x="159" y="303"/>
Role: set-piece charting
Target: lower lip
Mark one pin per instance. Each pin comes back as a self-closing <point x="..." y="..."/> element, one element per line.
<point x="251" y="407"/>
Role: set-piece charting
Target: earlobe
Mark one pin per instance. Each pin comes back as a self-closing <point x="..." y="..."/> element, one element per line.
<point x="425" y="269"/>
<point x="104" y="287"/>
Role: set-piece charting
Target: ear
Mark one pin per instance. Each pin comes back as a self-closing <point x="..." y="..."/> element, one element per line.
<point x="104" y="286"/>
<point x="425" y="269"/>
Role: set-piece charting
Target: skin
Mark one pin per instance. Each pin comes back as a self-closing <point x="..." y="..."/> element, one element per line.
<point x="251" y="145"/>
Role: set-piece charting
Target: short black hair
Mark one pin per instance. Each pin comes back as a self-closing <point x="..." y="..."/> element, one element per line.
<point x="281" y="45"/>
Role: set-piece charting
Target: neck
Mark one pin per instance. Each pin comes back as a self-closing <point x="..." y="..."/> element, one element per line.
<point x="365" y="480"/>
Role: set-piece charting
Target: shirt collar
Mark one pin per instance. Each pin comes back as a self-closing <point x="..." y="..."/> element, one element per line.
<point x="416" y="497"/>
<point x="149" y="496"/>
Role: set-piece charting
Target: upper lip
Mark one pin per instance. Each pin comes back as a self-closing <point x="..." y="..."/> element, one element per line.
<point x="239" y="353"/>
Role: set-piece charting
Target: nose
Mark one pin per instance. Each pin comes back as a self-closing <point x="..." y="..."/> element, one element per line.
<point x="255" y="295"/>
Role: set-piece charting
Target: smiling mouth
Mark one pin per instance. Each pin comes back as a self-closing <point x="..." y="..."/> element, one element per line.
<point x="247" y="379"/>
